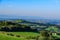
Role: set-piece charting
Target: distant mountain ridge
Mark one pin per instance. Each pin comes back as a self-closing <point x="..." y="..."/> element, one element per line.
<point x="28" y="18"/>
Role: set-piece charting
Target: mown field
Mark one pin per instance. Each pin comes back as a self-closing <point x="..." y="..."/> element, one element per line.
<point x="24" y="33"/>
<point x="17" y="35"/>
<point x="6" y="37"/>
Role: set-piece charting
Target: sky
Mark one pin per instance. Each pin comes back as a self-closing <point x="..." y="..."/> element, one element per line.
<point x="49" y="9"/>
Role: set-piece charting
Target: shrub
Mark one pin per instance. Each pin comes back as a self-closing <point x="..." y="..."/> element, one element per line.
<point x="33" y="37"/>
<point x="8" y="34"/>
<point x="11" y="34"/>
<point x="57" y="39"/>
<point x="30" y="37"/>
<point x="17" y="35"/>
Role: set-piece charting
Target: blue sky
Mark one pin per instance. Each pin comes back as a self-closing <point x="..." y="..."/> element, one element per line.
<point x="49" y="9"/>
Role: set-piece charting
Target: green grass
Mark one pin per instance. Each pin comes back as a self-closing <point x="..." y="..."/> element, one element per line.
<point x="54" y="28"/>
<point x="6" y="37"/>
<point x="23" y="35"/>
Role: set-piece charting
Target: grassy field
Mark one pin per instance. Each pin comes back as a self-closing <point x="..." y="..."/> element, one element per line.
<point x="6" y="37"/>
<point x="23" y="35"/>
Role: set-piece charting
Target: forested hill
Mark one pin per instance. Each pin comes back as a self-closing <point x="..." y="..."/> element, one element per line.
<point x="23" y="25"/>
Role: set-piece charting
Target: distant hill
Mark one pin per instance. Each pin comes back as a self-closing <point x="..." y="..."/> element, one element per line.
<point x="31" y="19"/>
<point x="53" y="29"/>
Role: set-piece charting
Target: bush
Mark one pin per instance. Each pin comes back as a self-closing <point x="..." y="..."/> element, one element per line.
<point x="8" y="34"/>
<point x="17" y="35"/>
<point x="33" y="37"/>
<point x="30" y="37"/>
<point x="57" y="39"/>
<point x="11" y="34"/>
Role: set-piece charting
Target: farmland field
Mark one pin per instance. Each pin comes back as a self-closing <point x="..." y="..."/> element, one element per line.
<point x="6" y="37"/>
<point x="23" y="35"/>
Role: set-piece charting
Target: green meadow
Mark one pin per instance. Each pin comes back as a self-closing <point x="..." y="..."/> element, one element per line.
<point x="17" y="35"/>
